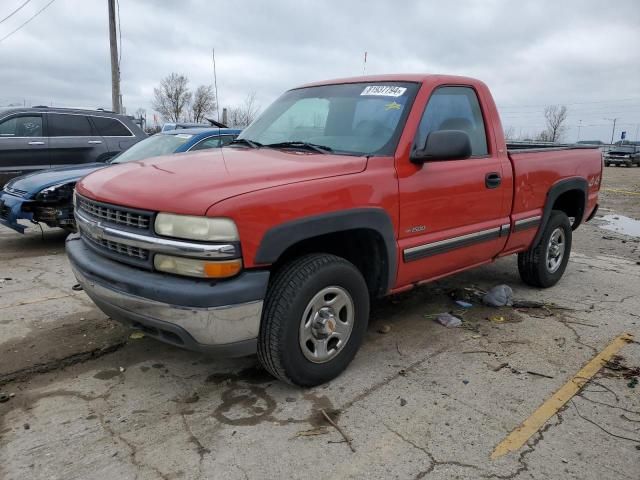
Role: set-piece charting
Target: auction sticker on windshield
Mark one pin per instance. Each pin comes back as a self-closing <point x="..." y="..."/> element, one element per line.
<point x="384" y="90"/>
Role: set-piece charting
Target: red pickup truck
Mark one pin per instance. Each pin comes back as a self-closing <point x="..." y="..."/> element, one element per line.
<point x="340" y="192"/>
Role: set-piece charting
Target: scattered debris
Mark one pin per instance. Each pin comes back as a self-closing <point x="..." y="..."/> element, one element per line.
<point x="137" y="335"/>
<point x="313" y="432"/>
<point x="448" y="320"/>
<point x="466" y="382"/>
<point x="500" y="367"/>
<point x="616" y="368"/>
<point x="498" y="296"/>
<point x="481" y="351"/>
<point x="4" y="397"/>
<point x="497" y="318"/>
<point x="402" y="373"/>
<point x="26" y="426"/>
<point x="528" y="304"/>
<point x="464" y="304"/>
<point x="335" y="425"/>
<point x="384" y="329"/>
<point x="403" y="402"/>
<point x="538" y="374"/>
<point x="122" y="369"/>
<point x="77" y="287"/>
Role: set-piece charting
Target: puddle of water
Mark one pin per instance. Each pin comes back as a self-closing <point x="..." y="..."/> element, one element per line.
<point x="621" y="224"/>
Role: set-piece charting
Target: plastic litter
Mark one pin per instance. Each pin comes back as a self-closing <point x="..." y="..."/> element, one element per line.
<point x="464" y="304"/>
<point x="448" y="320"/>
<point x="498" y="296"/>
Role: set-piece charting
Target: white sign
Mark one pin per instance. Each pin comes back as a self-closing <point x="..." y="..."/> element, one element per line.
<point x="384" y="90"/>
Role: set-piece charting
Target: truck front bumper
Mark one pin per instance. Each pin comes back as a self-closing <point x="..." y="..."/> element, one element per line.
<point x="221" y="318"/>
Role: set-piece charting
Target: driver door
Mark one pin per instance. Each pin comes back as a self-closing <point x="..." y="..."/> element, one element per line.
<point x="454" y="214"/>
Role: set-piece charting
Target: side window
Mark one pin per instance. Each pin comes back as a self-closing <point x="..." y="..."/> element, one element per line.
<point x="213" y="142"/>
<point x="110" y="127"/>
<point x="22" y="126"/>
<point x="69" y="126"/>
<point x="454" y="108"/>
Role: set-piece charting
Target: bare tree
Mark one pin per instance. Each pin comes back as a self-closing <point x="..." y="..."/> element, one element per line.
<point x="509" y="133"/>
<point x="555" y="116"/>
<point x="172" y="98"/>
<point x="243" y="115"/>
<point x="204" y="102"/>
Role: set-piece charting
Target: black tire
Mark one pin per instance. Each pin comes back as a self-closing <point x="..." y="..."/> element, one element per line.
<point x="291" y="289"/>
<point x="532" y="264"/>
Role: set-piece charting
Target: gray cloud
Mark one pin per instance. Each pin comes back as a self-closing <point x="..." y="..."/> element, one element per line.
<point x="530" y="53"/>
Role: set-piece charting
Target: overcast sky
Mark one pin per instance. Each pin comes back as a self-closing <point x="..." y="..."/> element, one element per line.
<point x="585" y="54"/>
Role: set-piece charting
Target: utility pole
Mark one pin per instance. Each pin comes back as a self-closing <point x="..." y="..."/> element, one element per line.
<point x="115" y="67"/>
<point x="613" y="130"/>
<point x="579" y="126"/>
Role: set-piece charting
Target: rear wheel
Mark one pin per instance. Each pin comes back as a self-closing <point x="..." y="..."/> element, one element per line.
<point x="314" y="319"/>
<point x="544" y="264"/>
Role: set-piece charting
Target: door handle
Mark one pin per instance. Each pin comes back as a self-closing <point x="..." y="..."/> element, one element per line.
<point x="36" y="143"/>
<point x="94" y="142"/>
<point x="492" y="180"/>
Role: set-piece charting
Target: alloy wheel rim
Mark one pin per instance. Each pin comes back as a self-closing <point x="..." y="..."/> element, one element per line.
<point x="326" y="324"/>
<point x="555" y="250"/>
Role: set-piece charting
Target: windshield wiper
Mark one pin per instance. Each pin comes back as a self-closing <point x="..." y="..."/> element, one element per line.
<point x="244" y="141"/>
<point x="305" y="145"/>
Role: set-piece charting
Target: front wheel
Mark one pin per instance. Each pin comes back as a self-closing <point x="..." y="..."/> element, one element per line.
<point x="544" y="264"/>
<point x="315" y="317"/>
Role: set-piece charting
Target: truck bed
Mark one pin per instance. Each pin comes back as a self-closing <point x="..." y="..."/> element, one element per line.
<point x="545" y="146"/>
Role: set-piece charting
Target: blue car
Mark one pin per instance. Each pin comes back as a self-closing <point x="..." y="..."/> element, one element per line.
<point x="46" y="196"/>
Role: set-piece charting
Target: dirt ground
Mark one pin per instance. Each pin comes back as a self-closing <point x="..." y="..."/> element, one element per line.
<point x="87" y="401"/>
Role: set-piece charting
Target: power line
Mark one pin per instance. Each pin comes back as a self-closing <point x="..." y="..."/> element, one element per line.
<point x="14" y="12"/>
<point x="25" y="23"/>
<point x="636" y="99"/>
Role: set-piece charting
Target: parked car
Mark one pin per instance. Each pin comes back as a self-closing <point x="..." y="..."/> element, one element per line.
<point x="182" y="125"/>
<point x="37" y="138"/>
<point x="624" y="154"/>
<point x="46" y="196"/>
<point x="341" y="191"/>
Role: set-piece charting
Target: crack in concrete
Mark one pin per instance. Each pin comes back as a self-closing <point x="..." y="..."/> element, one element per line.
<point x="201" y="449"/>
<point x="433" y="462"/>
<point x="58" y="364"/>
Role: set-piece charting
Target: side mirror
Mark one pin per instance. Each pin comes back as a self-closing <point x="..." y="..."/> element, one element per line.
<point x="444" y="145"/>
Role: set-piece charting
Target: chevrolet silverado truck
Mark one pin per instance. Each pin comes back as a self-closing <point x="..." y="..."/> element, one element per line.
<point x="340" y="192"/>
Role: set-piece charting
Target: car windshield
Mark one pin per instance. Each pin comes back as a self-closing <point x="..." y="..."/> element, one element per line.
<point x="152" y="147"/>
<point x="352" y="119"/>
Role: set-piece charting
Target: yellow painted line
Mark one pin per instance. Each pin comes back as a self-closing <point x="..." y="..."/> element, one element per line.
<point x="516" y="439"/>
<point x="616" y="190"/>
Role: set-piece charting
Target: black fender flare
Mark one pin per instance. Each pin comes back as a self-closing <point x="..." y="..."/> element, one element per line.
<point x="281" y="237"/>
<point x="554" y="192"/>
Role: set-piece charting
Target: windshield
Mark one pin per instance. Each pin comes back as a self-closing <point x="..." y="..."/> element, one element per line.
<point x="354" y="119"/>
<point x="152" y="147"/>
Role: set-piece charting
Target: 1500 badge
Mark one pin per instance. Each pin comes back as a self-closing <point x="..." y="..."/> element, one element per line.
<point x="416" y="229"/>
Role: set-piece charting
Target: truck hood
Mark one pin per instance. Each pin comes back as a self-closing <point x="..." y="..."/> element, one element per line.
<point x="189" y="183"/>
<point x="33" y="183"/>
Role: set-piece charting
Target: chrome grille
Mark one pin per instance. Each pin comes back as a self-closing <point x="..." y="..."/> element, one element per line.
<point x="127" y="250"/>
<point x="113" y="213"/>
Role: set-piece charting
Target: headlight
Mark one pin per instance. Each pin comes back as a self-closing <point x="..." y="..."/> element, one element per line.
<point x="196" y="228"/>
<point x="54" y="193"/>
<point x="197" y="268"/>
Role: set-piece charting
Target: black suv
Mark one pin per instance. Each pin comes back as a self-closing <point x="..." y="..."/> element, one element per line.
<point x="35" y="138"/>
